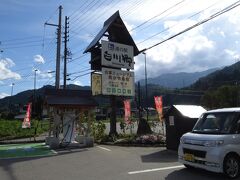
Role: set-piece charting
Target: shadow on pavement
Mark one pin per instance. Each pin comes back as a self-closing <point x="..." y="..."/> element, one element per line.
<point x="6" y="164"/>
<point x="161" y="156"/>
<point x="196" y="174"/>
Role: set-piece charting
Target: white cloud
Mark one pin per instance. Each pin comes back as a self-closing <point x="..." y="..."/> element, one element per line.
<point x="210" y="45"/>
<point x="5" y="72"/>
<point x="43" y="75"/>
<point x="39" y="59"/>
<point x="3" y="95"/>
<point x="79" y="83"/>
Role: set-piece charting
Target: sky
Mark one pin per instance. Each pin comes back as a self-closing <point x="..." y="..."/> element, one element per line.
<point x="26" y="44"/>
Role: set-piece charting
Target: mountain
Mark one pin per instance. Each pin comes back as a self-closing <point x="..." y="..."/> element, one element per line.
<point x="177" y="80"/>
<point x="229" y="75"/>
<point x="25" y="96"/>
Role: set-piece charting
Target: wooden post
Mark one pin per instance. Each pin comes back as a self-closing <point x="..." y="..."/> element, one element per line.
<point x="89" y="124"/>
<point x="113" y="121"/>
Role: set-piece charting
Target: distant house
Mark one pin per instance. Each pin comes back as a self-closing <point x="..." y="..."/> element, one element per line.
<point x="179" y="120"/>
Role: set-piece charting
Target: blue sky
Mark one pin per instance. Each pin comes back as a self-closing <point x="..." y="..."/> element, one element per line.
<point x="27" y="44"/>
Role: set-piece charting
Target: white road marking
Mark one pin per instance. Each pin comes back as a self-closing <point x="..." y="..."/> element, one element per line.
<point x="106" y="149"/>
<point x="157" y="169"/>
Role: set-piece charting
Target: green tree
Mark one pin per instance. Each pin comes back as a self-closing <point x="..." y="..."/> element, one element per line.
<point x="224" y="96"/>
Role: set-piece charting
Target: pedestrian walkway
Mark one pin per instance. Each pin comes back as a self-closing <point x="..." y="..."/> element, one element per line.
<point x="25" y="150"/>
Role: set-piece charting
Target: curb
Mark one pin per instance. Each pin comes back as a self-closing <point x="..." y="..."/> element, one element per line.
<point x="131" y="145"/>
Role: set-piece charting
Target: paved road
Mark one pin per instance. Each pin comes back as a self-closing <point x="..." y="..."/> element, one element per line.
<point x="103" y="163"/>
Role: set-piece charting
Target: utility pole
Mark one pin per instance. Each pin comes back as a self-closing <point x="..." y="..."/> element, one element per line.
<point x="146" y="88"/>
<point x="58" y="54"/>
<point x="139" y="102"/>
<point x="66" y="36"/>
<point x="58" y="57"/>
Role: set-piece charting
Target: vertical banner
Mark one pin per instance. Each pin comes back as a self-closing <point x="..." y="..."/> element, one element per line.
<point x="158" y="103"/>
<point x="26" y="122"/>
<point x="127" y="109"/>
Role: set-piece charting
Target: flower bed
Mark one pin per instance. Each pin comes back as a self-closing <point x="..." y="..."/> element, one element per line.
<point x="133" y="140"/>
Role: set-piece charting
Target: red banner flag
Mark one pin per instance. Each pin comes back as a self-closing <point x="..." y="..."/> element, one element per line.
<point x="127" y="109"/>
<point x="159" y="106"/>
<point x="26" y="122"/>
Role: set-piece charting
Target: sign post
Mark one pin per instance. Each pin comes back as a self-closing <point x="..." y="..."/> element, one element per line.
<point x="114" y="59"/>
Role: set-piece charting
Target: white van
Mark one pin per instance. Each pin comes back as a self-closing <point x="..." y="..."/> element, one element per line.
<point x="214" y="143"/>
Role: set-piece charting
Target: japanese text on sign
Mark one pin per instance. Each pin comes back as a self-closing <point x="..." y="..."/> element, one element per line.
<point x="117" y="82"/>
<point x="117" y="55"/>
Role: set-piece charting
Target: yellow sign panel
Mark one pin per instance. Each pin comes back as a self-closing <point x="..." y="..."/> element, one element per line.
<point x="96" y="84"/>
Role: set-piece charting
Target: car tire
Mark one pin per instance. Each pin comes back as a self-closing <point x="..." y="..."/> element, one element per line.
<point x="231" y="166"/>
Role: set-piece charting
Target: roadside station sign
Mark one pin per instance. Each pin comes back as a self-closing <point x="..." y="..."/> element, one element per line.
<point x="117" y="55"/>
<point x="117" y="82"/>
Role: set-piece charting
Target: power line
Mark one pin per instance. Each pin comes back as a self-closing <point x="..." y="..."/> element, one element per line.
<point x="131" y="9"/>
<point x="19" y="39"/>
<point x="78" y="9"/>
<point x="21" y="43"/>
<point x="157" y="15"/>
<point x="230" y="7"/>
<point x="87" y="8"/>
<point x="81" y="75"/>
<point x="77" y="72"/>
<point x="76" y="58"/>
<point x="52" y="15"/>
<point x="27" y="46"/>
<point x="168" y="28"/>
<point x="88" y="21"/>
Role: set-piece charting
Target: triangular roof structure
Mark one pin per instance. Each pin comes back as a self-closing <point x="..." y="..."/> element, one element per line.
<point x="116" y="30"/>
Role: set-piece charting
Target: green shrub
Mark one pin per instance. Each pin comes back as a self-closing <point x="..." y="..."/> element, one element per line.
<point x="12" y="129"/>
<point x="98" y="130"/>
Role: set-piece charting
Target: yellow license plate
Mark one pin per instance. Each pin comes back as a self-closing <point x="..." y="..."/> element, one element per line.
<point x="189" y="157"/>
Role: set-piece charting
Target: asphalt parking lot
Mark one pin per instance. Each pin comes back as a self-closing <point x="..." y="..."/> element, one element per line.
<point x="103" y="162"/>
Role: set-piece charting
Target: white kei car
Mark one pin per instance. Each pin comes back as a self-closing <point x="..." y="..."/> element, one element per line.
<point x="214" y="143"/>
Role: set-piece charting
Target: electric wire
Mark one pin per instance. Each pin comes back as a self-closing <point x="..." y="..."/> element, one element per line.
<point x="90" y="18"/>
<point x="81" y="7"/>
<point x="82" y="14"/>
<point x="170" y="27"/>
<point x="228" y="8"/>
<point x="145" y="22"/>
<point x="76" y="77"/>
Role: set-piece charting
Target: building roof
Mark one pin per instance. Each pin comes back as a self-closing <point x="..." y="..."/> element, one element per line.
<point x="236" y="109"/>
<point x="69" y="97"/>
<point x="116" y="29"/>
<point x="191" y="111"/>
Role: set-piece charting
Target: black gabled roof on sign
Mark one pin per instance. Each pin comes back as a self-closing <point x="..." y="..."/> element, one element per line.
<point x="117" y="32"/>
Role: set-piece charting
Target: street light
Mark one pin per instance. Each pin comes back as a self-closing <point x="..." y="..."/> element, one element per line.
<point x="9" y="102"/>
<point x="12" y="89"/>
<point x="146" y="98"/>
<point x="34" y="91"/>
<point x="35" y="74"/>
